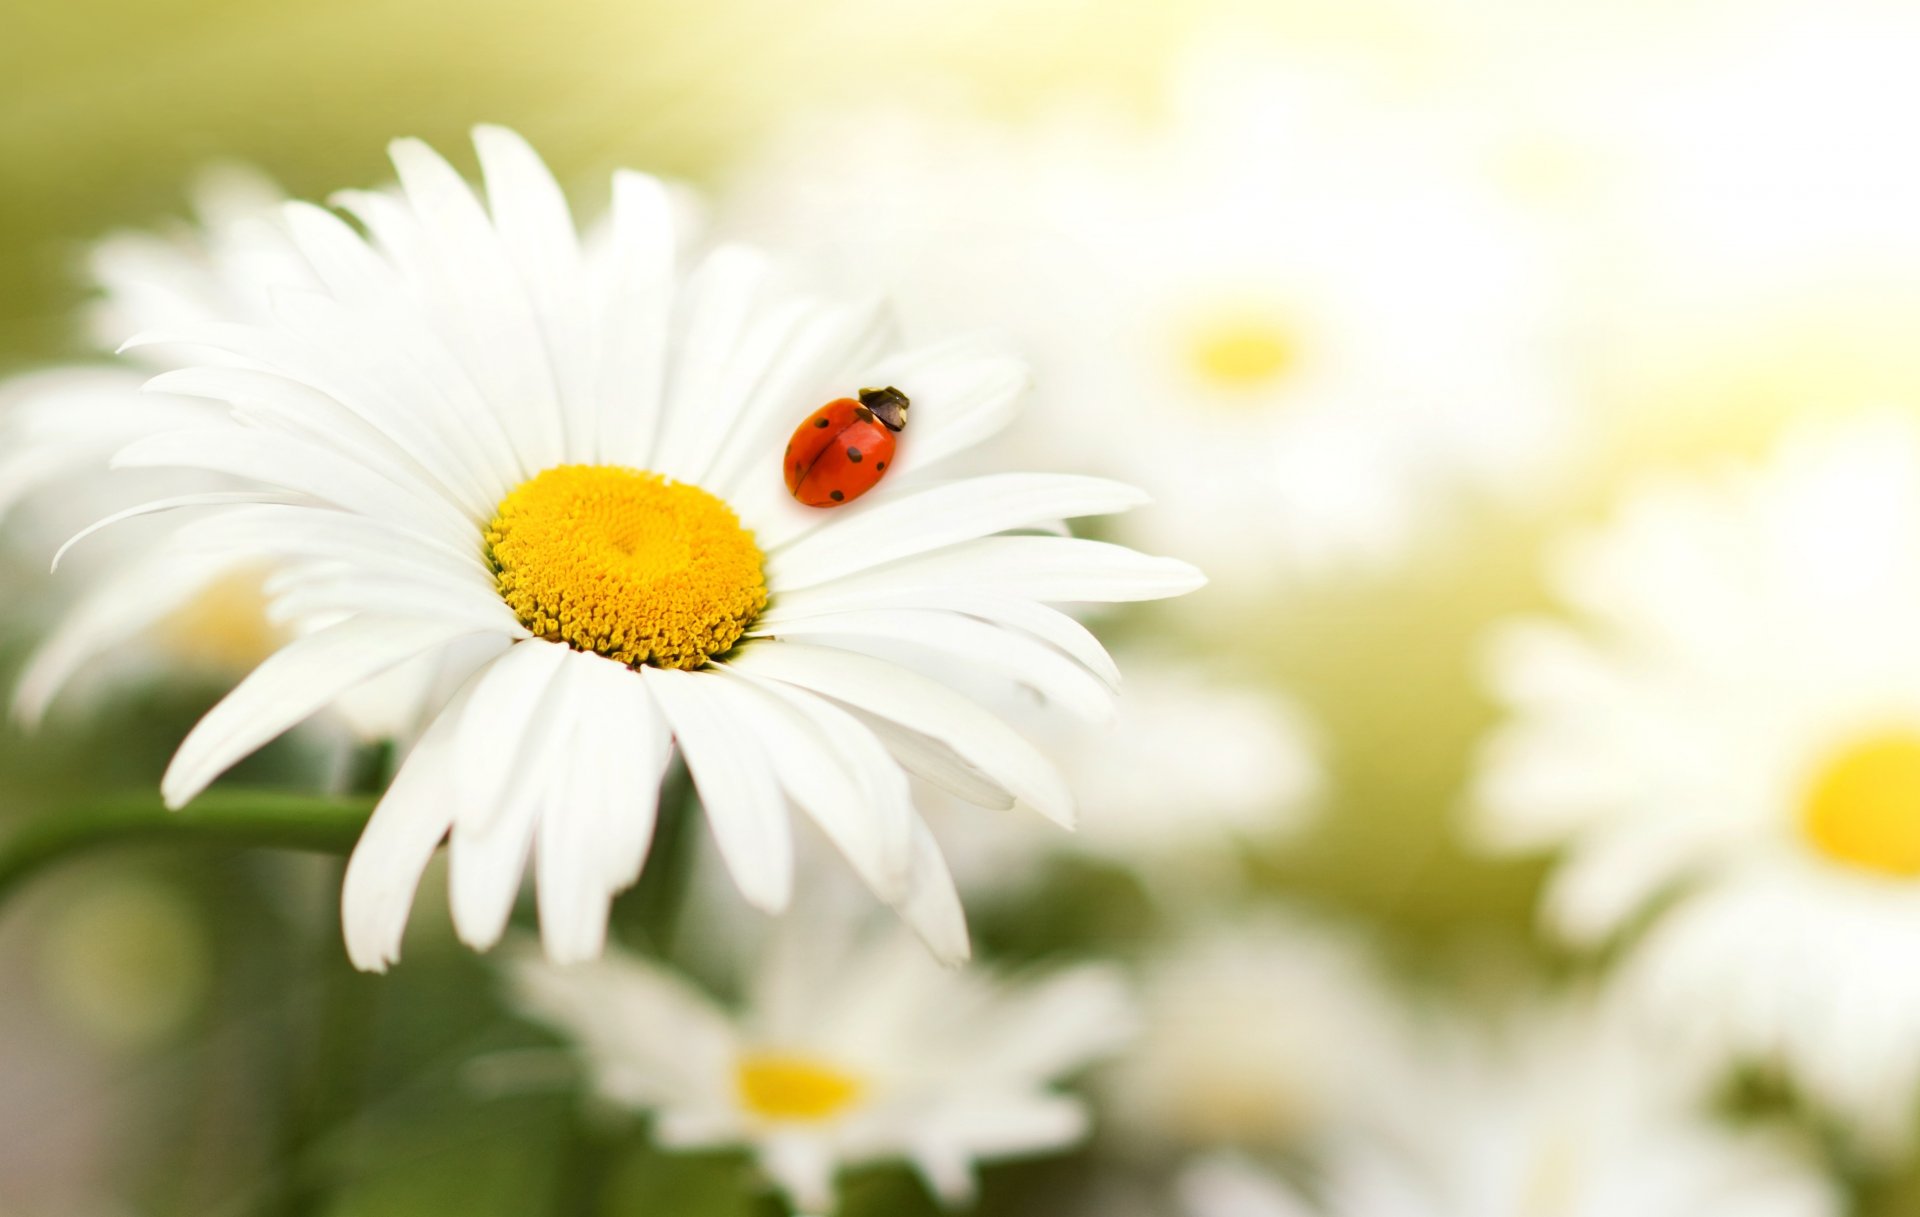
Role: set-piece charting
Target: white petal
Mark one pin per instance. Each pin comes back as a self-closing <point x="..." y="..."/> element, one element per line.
<point x="719" y="311"/>
<point x="930" y="519"/>
<point x="1050" y="625"/>
<point x="1057" y="569"/>
<point x="634" y="321"/>
<point x="834" y="770"/>
<point x="291" y="464"/>
<point x="932" y="761"/>
<point x="923" y="705"/>
<point x="292" y="684"/>
<point x="400" y="840"/>
<point x="130" y="600"/>
<point x="536" y="229"/>
<point x="496" y="333"/>
<point x="491" y="838"/>
<point x="745" y="809"/>
<point x="584" y="852"/>
<point x="505" y="700"/>
<point x="1009" y="654"/>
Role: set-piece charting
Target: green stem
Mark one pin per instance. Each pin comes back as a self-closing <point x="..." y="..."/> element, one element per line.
<point x="273" y="819"/>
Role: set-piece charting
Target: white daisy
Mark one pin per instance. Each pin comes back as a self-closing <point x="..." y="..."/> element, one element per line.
<point x="1264" y="1034"/>
<point x="1561" y="1113"/>
<point x="848" y="1048"/>
<point x="1294" y="304"/>
<point x="1729" y="739"/>
<point x="1190" y="771"/>
<point x="474" y="434"/>
<point x="59" y="426"/>
<point x="156" y="604"/>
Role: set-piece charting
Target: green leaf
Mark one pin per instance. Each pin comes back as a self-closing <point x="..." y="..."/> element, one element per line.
<point x="274" y="819"/>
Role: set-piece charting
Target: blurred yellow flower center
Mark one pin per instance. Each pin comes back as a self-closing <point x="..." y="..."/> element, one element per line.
<point x="626" y="564"/>
<point x="1243" y="352"/>
<point x="1864" y="807"/>
<point x="775" y="1086"/>
<point x="225" y="626"/>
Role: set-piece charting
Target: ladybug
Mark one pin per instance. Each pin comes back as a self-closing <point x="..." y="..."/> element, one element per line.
<point x="843" y="448"/>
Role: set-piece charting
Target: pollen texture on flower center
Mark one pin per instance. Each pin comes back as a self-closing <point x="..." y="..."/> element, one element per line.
<point x="776" y="1086"/>
<point x="626" y="564"/>
<point x="1864" y="807"/>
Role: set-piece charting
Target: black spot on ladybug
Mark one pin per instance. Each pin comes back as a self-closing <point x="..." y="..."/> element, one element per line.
<point x="863" y="414"/>
<point x="836" y="496"/>
<point x="819" y="422"/>
<point x="853" y="454"/>
<point x="879" y="465"/>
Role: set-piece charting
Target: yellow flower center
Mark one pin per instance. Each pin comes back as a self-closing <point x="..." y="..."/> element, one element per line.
<point x="225" y="626"/>
<point x="626" y="564"/>
<point x="776" y="1086"/>
<point x="1243" y="352"/>
<point x="1864" y="807"/>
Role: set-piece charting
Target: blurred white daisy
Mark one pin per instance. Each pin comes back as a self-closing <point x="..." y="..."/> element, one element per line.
<point x="1190" y="772"/>
<point x="59" y="427"/>
<point x="1562" y="1113"/>
<point x="474" y="434"/>
<point x="155" y="603"/>
<point x="1291" y="313"/>
<point x="1729" y="740"/>
<point x="847" y="1048"/>
<point x="1265" y="1033"/>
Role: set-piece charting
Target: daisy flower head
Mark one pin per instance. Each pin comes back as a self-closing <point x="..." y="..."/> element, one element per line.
<point x="850" y="1046"/>
<point x="1561" y="1110"/>
<point x="1727" y="739"/>
<point x="1288" y="299"/>
<point x="558" y="469"/>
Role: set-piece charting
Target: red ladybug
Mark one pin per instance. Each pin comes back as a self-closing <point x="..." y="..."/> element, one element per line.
<point x="844" y="447"/>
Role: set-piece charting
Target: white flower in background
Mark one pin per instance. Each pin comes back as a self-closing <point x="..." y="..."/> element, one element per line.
<point x="1264" y="1033"/>
<point x="1293" y="314"/>
<point x="848" y="1048"/>
<point x="1561" y="1113"/>
<point x="1190" y="772"/>
<point x="473" y="433"/>
<point x="59" y="427"/>
<point x="1730" y="737"/>
<point x="153" y="600"/>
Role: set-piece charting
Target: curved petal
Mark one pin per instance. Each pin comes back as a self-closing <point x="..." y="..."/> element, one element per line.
<point x="746" y="811"/>
<point x="890" y="691"/>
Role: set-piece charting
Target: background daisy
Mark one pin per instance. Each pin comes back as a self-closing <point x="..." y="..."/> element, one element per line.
<point x="849" y="1046"/>
<point x="1723" y="743"/>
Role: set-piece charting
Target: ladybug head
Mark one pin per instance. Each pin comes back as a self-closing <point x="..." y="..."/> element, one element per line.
<point x="889" y="405"/>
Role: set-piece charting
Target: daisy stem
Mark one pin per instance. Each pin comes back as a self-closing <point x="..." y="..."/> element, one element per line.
<point x="274" y="819"/>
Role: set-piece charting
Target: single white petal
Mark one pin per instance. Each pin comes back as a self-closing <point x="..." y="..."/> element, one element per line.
<point x="1014" y="656"/>
<point x="536" y="230"/>
<point x="634" y="321"/>
<point x="291" y="685"/>
<point x="746" y="811"/>
<point x="400" y="840"/>
<point x="1058" y="569"/>
<point x="719" y="310"/>
<point x="923" y="705"/>
<point x="211" y="498"/>
<point x="939" y="516"/>
<point x="500" y="714"/>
